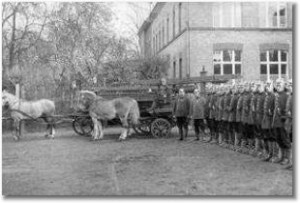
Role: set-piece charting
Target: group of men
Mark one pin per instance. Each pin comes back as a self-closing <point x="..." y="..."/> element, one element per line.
<point x="249" y="117"/>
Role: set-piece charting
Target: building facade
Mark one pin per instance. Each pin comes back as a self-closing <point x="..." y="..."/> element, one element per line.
<point x="252" y="39"/>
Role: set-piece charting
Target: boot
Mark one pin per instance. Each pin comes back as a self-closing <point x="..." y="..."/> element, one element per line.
<point x="269" y="152"/>
<point x="181" y="134"/>
<point x="286" y="154"/>
<point x="279" y="155"/>
<point x="209" y="138"/>
<point x="197" y="137"/>
<point x="214" y="138"/>
<point x="185" y="132"/>
<point x="220" y="139"/>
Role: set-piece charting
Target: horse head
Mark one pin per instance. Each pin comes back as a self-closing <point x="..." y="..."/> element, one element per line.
<point x="7" y="98"/>
<point x="86" y="98"/>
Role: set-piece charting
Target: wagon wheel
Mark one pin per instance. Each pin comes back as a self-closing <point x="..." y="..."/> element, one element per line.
<point x="83" y="126"/>
<point x="144" y="127"/>
<point x="160" y="127"/>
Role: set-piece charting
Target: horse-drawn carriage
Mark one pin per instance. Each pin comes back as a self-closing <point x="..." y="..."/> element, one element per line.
<point x="159" y="121"/>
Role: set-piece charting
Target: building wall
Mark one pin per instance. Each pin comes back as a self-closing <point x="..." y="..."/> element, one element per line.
<point x="194" y="41"/>
<point x="202" y="48"/>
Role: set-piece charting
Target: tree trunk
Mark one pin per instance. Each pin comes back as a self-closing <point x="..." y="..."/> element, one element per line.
<point x="13" y="38"/>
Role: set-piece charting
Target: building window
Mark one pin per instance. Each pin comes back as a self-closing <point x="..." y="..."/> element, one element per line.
<point x="173" y="21"/>
<point x="168" y="29"/>
<point x="174" y="69"/>
<point x="180" y="68"/>
<point x="179" y="16"/>
<point x="227" y="62"/>
<point x="273" y="63"/>
<point x="276" y="14"/>
<point x="227" y="14"/>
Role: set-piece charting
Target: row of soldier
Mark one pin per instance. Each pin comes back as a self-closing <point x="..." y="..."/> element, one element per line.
<point x="249" y="117"/>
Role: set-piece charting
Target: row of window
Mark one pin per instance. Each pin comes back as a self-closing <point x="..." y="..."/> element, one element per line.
<point x="229" y="15"/>
<point x="272" y="62"/>
<point x="161" y="35"/>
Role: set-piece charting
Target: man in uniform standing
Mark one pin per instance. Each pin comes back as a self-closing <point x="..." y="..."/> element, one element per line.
<point x="266" y="124"/>
<point x="181" y="110"/>
<point x="232" y="116"/>
<point x="197" y="113"/>
<point x="280" y="136"/>
<point x="288" y="125"/>
<point x="238" y="117"/>
<point x="259" y="109"/>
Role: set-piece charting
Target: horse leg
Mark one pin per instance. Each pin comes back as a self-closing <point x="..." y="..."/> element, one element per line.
<point x="125" y="127"/>
<point x="101" y="134"/>
<point x="17" y="125"/>
<point x="48" y="125"/>
<point x="95" y="130"/>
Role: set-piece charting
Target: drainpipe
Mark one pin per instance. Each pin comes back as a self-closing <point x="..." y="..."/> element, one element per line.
<point x="188" y="41"/>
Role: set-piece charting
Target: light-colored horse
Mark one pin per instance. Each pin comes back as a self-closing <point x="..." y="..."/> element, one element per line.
<point x="22" y="109"/>
<point x="99" y="109"/>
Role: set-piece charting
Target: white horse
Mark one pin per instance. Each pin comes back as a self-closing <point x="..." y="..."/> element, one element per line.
<point x="99" y="109"/>
<point x="22" y="109"/>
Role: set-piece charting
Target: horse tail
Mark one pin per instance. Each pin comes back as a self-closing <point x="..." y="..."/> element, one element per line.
<point x="135" y="113"/>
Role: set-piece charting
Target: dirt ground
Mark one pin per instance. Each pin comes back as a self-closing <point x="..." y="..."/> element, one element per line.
<point x="73" y="165"/>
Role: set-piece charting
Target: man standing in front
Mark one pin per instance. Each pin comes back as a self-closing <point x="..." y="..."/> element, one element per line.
<point x="181" y="110"/>
<point x="197" y="113"/>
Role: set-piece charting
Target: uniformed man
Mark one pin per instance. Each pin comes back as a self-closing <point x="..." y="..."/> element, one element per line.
<point x="181" y="110"/>
<point x="267" y="121"/>
<point x="238" y="118"/>
<point x="281" y="139"/>
<point x="220" y="109"/>
<point x="233" y="128"/>
<point x="197" y="114"/>
<point x="163" y="95"/>
<point x="212" y="122"/>
<point x="252" y="140"/>
<point x="289" y="121"/>
<point x="244" y="118"/>
<point x="225" y="116"/>
<point x="259" y="109"/>
<point x="207" y="109"/>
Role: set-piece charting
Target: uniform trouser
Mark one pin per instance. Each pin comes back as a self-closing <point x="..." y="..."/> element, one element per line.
<point x="233" y="129"/>
<point x="199" y="125"/>
<point x="225" y="130"/>
<point x="246" y="131"/>
<point x="282" y="138"/>
<point x="211" y="124"/>
<point x="182" y="124"/>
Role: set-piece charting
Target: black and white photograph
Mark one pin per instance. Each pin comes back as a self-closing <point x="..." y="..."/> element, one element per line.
<point x="148" y="99"/>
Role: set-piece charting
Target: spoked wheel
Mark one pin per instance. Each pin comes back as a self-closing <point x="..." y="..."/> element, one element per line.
<point x="83" y="126"/>
<point x="160" y="127"/>
<point x="144" y="127"/>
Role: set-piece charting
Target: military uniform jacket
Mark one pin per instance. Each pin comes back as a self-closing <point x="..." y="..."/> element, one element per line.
<point x="268" y="111"/>
<point x="213" y="106"/>
<point x="197" y="108"/>
<point x="288" y="124"/>
<point x="259" y="110"/>
<point x="206" y="107"/>
<point x="239" y="108"/>
<point x="232" y="107"/>
<point x="279" y="110"/>
<point x="252" y="110"/>
<point x="226" y="107"/>
<point x="181" y="107"/>
<point x="220" y="108"/>
<point x="246" y="107"/>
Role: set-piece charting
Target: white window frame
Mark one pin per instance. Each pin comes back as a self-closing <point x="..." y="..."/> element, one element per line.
<point x="232" y="62"/>
<point x="234" y="10"/>
<point x="278" y="4"/>
<point x="279" y="63"/>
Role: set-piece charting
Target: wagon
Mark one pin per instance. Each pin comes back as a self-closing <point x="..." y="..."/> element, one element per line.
<point x="157" y="123"/>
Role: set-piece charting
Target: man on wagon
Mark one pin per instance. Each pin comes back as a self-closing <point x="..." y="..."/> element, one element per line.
<point x="163" y="96"/>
